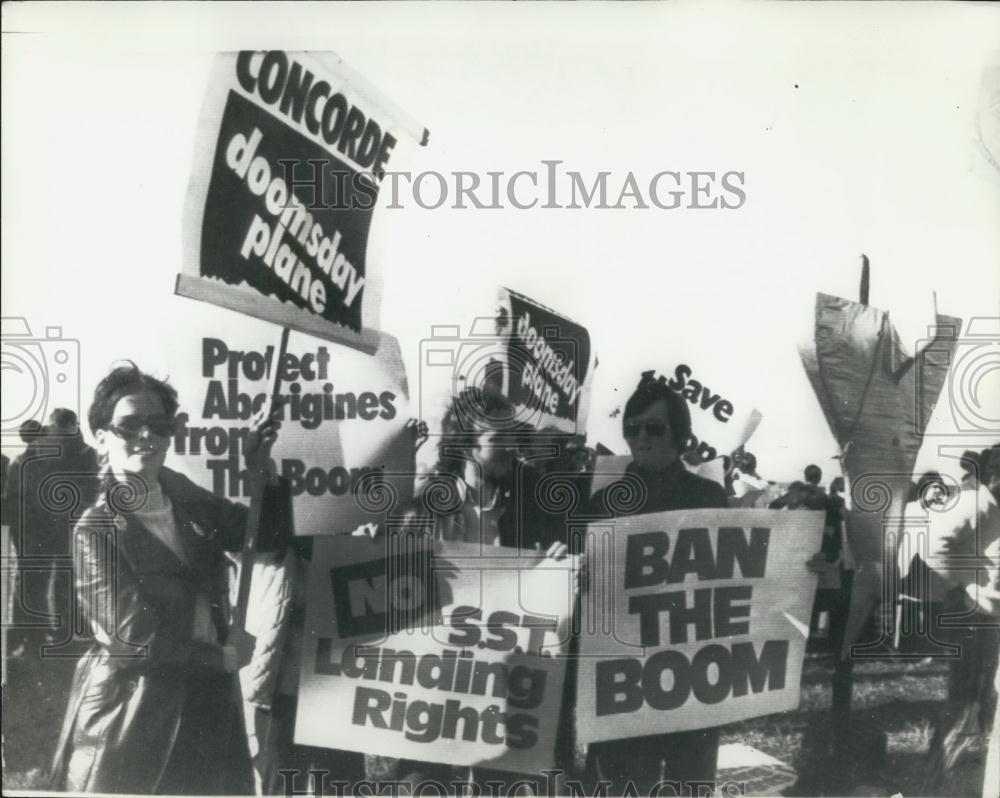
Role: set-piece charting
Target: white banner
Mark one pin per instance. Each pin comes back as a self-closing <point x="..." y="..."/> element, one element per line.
<point x="693" y="619"/>
<point x="448" y="654"/>
<point x="343" y="444"/>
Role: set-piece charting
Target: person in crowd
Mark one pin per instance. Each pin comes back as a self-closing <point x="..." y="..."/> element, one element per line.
<point x="745" y="464"/>
<point x="931" y="491"/>
<point x="838" y="568"/>
<point x="4" y="470"/>
<point x="27" y="512"/>
<point x="832" y="603"/>
<point x="792" y="499"/>
<point x="836" y="507"/>
<point x="962" y="562"/>
<point x="74" y="469"/>
<point x="813" y="475"/>
<point x="490" y="489"/>
<point x="29" y="432"/>
<point x="728" y="476"/>
<point x="814" y="497"/>
<point x="154" y="705"/>
<point x="657" y="423"/>
<point x="481" y="491"/>
<point x="749" y="489"/>
<point x="748" y="465"/>
<point x="559" y="469"/>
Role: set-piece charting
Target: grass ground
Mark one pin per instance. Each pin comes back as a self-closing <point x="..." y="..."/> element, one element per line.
<point x="898" y="698"/>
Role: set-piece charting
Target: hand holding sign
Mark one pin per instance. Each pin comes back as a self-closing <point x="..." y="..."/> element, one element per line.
<point x="263" y="433"/>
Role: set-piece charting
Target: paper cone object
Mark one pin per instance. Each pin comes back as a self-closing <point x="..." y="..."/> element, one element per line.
<point x="877" y="397"/>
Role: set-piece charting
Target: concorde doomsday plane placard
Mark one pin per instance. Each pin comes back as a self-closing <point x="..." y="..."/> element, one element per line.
<point x="291" y="149"/>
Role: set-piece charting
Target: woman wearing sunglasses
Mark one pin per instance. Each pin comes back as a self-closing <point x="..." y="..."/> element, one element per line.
<point x="154" y="706"/>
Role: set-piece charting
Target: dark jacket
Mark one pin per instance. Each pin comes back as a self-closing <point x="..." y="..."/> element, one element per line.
<point x="152" y="709"/>
<point x="676" y="488"/>
<point x="685" y="756"/>
<point x="48" y="485"/>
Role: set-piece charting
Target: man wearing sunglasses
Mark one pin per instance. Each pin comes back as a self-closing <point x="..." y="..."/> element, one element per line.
<point x="657" y="426"/>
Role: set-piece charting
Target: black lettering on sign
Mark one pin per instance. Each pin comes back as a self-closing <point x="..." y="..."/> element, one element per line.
<point x="713" y="613"/>
<point x="647" y="563"/>
<point x="426" y="722"/>
<point x="668" y="679"/>
<point x="384" y="595"/>
<point x="697" y="394"/>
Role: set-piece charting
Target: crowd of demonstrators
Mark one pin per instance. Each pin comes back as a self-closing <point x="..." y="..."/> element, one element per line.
<point x="46" y="488"/>
<point x="168" y="720"/>
<point x="483" y="489"/>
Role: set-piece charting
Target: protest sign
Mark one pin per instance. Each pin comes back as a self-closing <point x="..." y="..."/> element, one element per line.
<point x="344" y="446"/>
<point x="549" y="364"/>
<point x="693" y="619"/>
<point x="719" y="424"/>
<point x="290" y="151"/>
<point x="442" y="652"/>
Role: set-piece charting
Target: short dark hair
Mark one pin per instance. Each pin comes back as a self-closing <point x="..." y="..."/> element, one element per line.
<point x="970" y="462"/>
<point x="470" y="413"/>
<point x="649" y="392"/>
<point x="62" y="418"/>
<point x="29" y="430"/>
<point x="813" y="474"/>
<point x="126" y="380"/>
<point x="929" y="478"/>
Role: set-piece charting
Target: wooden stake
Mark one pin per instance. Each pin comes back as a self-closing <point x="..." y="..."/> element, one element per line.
<point x="865" y="273"/>
<point x="238" y="628"/>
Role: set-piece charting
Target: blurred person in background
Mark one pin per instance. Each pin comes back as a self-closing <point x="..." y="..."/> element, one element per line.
<point x="961" y="562"/>
<point x="26" y="514"/>
<point x="74" y="469"/>
<point x="792" y="499"/>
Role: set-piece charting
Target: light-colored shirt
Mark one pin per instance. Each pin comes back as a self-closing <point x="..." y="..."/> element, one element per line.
<point x="157" y="515"/>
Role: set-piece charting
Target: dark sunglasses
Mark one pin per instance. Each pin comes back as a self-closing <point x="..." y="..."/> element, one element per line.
<point x="130" y="427"/>
<point x="653" y="430"/>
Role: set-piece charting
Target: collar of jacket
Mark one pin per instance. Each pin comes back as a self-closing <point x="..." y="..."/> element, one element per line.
<point x="144" y="550"/>
<point x="669" y="474"/>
